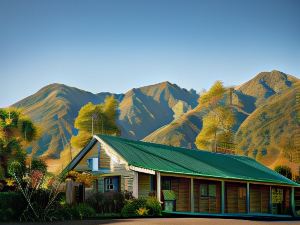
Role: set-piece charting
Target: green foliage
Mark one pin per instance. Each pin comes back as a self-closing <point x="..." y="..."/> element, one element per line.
<point x="16" y="131"/>
<point x="134" y="207"/>
<point x="131" y="207"/>
<point x="82" y="211"/>
<point x="96" y="119"/>
<point x="154" y="206"/>
<point x="284" y="170"/>
<point x="39" y="164"/>
<point x="12" y="204"/>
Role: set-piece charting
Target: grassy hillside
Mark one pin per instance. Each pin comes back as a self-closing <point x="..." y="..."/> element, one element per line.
<point x="264" y="134"/>
<point x="180" y="132"/>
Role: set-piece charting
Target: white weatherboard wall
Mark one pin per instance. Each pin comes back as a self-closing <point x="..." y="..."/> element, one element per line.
<point x="117" y="167"/>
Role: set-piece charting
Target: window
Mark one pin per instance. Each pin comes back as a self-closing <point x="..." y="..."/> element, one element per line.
<point x="208" y="190"/>
<point x="203" y="190"/>
<point x="90" y="163"/>
<point x="212" y="190"/>
<point x="108" y="184"/>
<point x="166" y="183"/>
<point x="93" y="164"/>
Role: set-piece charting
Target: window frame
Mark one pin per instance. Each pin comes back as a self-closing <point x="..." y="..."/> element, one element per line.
<point x="206" y="190"/>
<point x="108" y="184"/>
<point x="167" y="180"/>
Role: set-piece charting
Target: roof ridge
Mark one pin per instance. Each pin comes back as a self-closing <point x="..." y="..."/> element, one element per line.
<point x="170" y="147"/>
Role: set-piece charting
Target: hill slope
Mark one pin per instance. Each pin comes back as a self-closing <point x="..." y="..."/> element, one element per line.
<point x="141" y="111"/>
<point x="266" y="84"/>
<point x="246" y="98"/>
<point x="265" y="133"/>
<point x="54" y="109"/>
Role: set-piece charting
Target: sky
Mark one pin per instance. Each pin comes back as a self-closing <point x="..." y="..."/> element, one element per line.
<point x="115" y="45"/>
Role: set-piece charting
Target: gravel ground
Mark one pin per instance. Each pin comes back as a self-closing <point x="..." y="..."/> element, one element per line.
<point x="166" y="221"/>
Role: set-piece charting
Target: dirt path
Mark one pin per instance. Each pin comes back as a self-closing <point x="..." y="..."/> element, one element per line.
<point x="166" y="221"/>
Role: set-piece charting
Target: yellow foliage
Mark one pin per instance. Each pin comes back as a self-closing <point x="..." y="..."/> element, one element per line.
<point x="10" y="182"/>
<point x="142" y="211"/>
<point x="213" y="96"/>
<point x="85" y="178"/>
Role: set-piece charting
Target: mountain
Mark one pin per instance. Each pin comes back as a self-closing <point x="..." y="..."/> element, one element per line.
<point x="265" y="108"/>
<point x="266" y="133"/>
<point x="141" y="111"/>
<point x="266" y="84"/>
<point x="145" y="109"/>
<point x="180" y="132"/>
<point x="245" y="100"/>
<point x="54" y="108"/>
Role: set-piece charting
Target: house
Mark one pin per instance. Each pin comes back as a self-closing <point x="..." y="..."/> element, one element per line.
<point x="187" y="181"/>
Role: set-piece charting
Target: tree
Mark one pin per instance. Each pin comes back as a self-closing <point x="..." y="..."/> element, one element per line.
<point x="96" y="119"/>
<point x="39" y="164"/>
<point x="218" y="120"/>
<point x="16" y="131"/>
<point x="284" y="171"/>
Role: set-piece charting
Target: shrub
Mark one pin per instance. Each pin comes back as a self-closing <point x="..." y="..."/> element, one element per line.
<point x="142" y="207"/>
<point x="108" y="202"/>
<point x="154" y="206"/>
<point x="81" y="211"/>
<point x="12" y="205"/>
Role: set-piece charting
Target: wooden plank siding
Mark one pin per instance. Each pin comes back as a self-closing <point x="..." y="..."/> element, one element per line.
<point x="259" y="198"/>
<point x="181" y="187"/>
<point x="235" y="198"/>
<point x="82" y="165"/>
<point x="144" y="184"/>
<point x="105" y="160"/>
<point x="207" y="204"/>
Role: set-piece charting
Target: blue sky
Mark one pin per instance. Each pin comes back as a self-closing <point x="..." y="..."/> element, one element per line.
<point x="117" y="45"/>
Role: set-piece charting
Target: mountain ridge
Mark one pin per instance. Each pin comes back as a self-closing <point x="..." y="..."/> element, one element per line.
<point x="162" y="113"/>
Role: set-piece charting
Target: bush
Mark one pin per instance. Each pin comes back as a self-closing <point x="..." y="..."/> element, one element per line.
<point x="81" y="211"/>
<point x="142" y="207"/>
<point x="108" y="202"/>
<point x="154" y="206"/>
<point x="39" y="201"/>
<point x="131" y="207"/>
<point x="12" y="205"/>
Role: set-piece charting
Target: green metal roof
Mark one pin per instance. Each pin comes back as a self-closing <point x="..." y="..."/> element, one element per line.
<point x="192" y="162"/>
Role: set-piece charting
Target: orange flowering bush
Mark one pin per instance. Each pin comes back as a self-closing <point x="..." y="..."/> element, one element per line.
<point x="84" y="178"/>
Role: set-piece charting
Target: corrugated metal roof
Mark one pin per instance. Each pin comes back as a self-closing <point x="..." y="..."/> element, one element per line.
<point x="192" y="162"/>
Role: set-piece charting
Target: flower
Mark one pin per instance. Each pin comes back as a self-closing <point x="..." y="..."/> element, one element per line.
<point x="8" y="121"/>
<point x="142" y="211"/>
<point x="10" y="182"/>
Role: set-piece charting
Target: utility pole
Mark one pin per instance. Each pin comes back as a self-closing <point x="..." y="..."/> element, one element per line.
<point x="94" y="118"/>
<point x="92" y="125"/>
